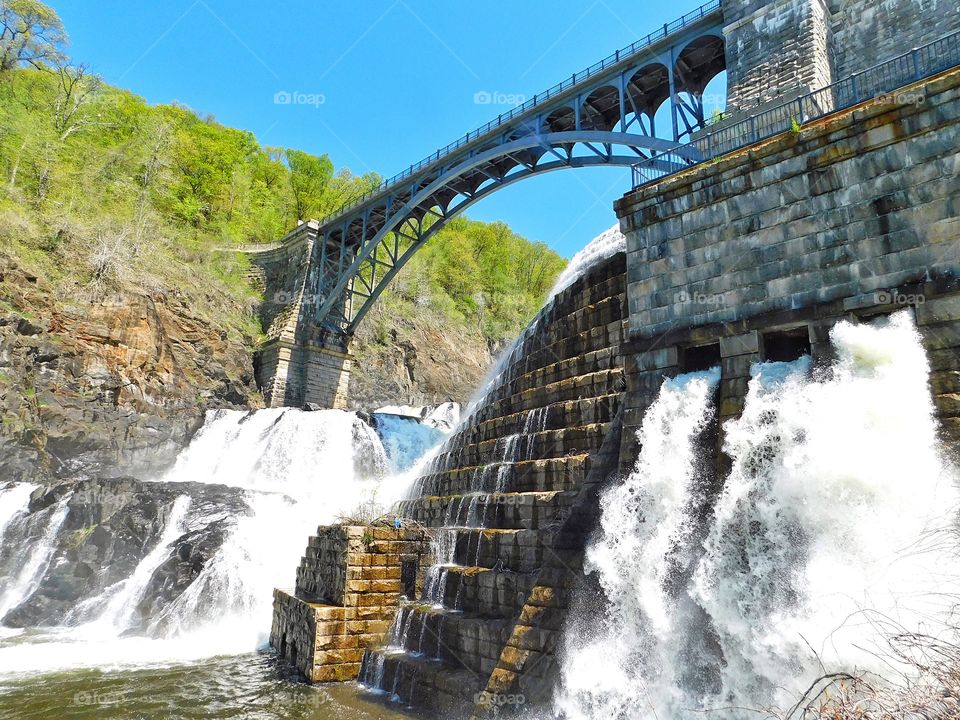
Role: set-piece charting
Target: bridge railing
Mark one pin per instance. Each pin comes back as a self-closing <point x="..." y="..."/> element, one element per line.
<point x="538" y="99"/>
<point x="871" y="84"/>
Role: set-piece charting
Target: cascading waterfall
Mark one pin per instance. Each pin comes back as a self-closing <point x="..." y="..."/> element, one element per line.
<point x="471" y="514"/>
<point x="645" y="526"/>
<point x="444" y="545"/>
<point x="113" y="610"/>
<point x="297" y="470"/>
<point x="37" y="561"/>
<point x="494" y="475"/>
<point x="835" y="529"/>
<point x="301" y="470"/>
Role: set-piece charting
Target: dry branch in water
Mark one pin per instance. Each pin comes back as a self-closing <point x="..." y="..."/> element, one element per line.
<point x="930" y="692"/>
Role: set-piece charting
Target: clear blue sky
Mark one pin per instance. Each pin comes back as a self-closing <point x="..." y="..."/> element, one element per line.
<point x="398" y="78"/>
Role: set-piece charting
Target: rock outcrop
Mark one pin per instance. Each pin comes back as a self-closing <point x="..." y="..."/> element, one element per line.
<point x="110" y="526"/>
<point x="417" y="360"/>
<point x="112" y="387"/>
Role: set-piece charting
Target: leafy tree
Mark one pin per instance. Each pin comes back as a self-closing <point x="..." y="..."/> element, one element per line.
<point x="31" y="33"/>
<point x="309" y="176"/>
<point x="205" y="155"/>
<point x="100" y="189"/>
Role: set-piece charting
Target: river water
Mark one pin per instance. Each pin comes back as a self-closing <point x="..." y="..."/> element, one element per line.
<point x="249" y="686"/>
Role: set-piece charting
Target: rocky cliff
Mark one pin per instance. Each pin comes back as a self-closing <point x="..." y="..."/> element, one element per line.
<point x="110" y="387"/>
<point x="417" y="358"/>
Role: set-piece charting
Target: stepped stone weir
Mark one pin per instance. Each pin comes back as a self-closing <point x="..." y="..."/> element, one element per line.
<point x="495" y="499"/>
<point x="499" y="493"/>
<point x="348" y="585"/>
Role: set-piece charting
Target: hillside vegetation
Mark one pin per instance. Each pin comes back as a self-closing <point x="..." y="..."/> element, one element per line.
<point x="113" y="212"/>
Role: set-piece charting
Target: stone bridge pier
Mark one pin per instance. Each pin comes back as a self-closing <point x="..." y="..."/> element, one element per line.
<point x="301" y="361"/>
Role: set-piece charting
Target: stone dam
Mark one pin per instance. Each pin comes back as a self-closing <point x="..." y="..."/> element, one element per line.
<point x="752" y="257"/>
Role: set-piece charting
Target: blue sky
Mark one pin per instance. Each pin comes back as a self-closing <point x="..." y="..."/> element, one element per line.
<point x="397" y="78"/>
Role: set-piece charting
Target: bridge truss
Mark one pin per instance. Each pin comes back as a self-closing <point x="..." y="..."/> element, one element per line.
<point x="603" y="116"/>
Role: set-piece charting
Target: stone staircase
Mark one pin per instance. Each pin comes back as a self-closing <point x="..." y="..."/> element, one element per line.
<point x="499" y="493"/>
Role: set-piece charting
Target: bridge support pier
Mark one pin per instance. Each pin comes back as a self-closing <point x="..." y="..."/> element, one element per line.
<point x="292" y="374"/>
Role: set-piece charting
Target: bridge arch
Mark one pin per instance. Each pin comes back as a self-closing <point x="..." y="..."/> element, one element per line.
<point x="424" y="214"/>
<point x="604" y="116"/>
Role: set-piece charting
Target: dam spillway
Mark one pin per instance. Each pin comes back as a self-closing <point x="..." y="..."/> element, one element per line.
<point x="495" y="499"/>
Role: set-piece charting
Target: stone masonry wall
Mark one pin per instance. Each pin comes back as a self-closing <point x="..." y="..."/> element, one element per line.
<point x="280" y="272"/>
<point x="774" y="49"/>
<point x="349" y="584"/>
<point x="854" y="204"/>
<point x="856" y="215"/>
<point x="292" y="373"/>
<point x="777" y="49"/>
<point x="867" y="32"/>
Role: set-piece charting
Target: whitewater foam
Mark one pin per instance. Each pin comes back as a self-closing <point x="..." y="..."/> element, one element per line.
<point x="836" y="526"/>
<point x="632" y="650"/>
<point x="298" y="470"/>
<point x="835" y="529"/>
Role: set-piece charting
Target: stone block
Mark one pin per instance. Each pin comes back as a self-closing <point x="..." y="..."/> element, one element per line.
<point x="747" y="343"/>
<point x="938" y="310"/>
<point x="656" y="359"/>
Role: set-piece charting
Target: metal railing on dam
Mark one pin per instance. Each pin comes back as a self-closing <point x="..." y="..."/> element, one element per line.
<point x="870" y="84"/>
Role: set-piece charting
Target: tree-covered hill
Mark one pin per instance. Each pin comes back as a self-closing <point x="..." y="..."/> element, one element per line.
<point x="107" y="201"/>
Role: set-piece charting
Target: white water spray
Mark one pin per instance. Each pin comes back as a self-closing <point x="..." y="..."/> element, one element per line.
<point x="836" y="526"/>
<point x="644" y="520"/>
<point x="834" y="530"/>
<point x="119" y="612"/>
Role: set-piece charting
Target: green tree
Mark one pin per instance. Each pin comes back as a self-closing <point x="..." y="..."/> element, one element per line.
<point x="205" y="155"/>
<point x="31" y="33"/>
<point x="309" y="176"/>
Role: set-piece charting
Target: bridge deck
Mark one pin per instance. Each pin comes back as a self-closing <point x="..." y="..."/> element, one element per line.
<point x="706" y="14"/>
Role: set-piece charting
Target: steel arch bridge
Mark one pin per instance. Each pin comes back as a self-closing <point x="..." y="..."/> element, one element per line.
<point x="603" y="116"/>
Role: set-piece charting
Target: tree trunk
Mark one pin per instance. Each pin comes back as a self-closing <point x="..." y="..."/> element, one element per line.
<point x="16" y="167"/>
